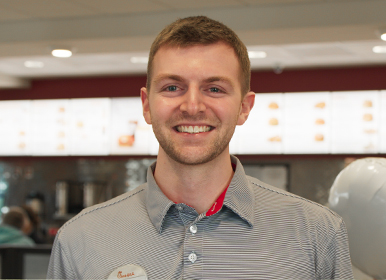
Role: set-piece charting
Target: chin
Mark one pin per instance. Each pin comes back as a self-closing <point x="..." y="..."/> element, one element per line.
<point x="193" y="157"/>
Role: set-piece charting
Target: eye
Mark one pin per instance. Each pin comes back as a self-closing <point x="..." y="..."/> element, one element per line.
<point x="171" y="88"/>
<point x="215" y="89"/>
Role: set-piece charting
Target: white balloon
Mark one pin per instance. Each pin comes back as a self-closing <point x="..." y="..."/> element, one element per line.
<point x="359" y="196"/>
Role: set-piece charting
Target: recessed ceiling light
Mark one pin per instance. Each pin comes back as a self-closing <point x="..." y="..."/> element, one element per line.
<point x="61" y="53"/>
<point x="33" y="64"/>
<point x="383" y="36"/>
<point x="379" y="49"/>
<point x="139" y="59"/>
<point x="257" y="54"/>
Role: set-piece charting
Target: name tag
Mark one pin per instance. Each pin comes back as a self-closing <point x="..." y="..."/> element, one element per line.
<point x="129" y="271"/>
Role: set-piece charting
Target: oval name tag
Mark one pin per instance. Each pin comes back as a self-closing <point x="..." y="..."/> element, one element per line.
<point x="129" y="271"/>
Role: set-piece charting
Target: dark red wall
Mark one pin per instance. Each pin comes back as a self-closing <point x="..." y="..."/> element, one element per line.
<point x="334" y="79"/>
<point x="84" y="87"/>
<point x="331" y="79"/>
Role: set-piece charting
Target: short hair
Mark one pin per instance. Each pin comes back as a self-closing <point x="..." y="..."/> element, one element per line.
<point x="201" y="30"/>
<point x="14" y="219"/>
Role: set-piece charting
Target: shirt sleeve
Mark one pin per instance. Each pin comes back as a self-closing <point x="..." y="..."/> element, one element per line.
<point x="334" y="260"/>
<point x="59" y="266"/>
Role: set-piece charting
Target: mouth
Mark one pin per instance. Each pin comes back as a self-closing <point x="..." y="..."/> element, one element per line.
<point x="193" y="129"/>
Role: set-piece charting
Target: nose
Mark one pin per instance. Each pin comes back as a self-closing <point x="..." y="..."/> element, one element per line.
<point x="193" y="102"/>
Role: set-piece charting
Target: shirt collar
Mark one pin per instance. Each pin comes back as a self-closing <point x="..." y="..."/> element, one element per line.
<point x="239" y="197"/>
<point x="157" y="203"/>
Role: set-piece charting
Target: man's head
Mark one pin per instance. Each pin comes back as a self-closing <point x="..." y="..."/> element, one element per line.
<point x="201" y="30"/>
<point x="197" y="90"/>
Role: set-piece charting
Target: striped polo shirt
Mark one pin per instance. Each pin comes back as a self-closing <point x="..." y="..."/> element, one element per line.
<point x="260" y="232"/>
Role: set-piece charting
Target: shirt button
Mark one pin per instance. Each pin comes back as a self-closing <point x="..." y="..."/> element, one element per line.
<point x="192" y="257"/>
<point x="193" y="229"/>
<point x="179" y="207"/>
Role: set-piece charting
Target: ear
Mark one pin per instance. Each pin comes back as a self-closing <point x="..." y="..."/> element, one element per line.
<point x="145" y="105"/>
<point x="246" y="107"/>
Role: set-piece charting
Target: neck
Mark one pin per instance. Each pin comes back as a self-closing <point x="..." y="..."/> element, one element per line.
<point x="195" y="185"/>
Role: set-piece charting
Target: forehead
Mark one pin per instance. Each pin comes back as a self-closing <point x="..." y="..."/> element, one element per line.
<point x="218" y="59"/>
<point x="219" y="47"/>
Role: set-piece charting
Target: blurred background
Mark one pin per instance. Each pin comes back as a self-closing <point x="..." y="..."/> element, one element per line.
<point x="71" y="130"/>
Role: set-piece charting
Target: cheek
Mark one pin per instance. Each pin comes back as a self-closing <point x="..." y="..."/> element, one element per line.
<point x="226" y="110"/>
<point x="160" y="111"/>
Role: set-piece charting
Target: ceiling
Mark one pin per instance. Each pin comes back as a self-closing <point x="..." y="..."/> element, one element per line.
<point x="106" y="34"/>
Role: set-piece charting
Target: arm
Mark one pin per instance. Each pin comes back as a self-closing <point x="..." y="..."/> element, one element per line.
<point x="334" y="260"/>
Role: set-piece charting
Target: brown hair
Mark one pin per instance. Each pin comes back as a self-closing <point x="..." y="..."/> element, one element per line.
<point x="14" y="218"/>
<point x="201" y="30"/>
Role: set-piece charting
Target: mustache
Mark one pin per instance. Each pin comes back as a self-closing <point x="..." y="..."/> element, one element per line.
<point x="200" y="117"/>
<point x="196" y="118"/>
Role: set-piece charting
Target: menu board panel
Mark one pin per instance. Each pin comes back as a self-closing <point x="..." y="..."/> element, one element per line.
<point x="234" y="143"/>
<point x="356" y="119"/>
<point x="89" y="126"/>
<point x="130" y="134"/>
<point x="50" y="127"/>
<point x="15" y="127"/>
<point x="262" y="133"/>
<point x="307" y="122"/>
<point x="382" y="125"/>
<point x="153" y="144"/>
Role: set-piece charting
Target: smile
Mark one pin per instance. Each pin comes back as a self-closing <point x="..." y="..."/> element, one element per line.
<point x="193" y="129"/>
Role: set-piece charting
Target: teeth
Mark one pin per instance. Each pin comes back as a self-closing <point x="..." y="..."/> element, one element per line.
<point x="193" y="129"/>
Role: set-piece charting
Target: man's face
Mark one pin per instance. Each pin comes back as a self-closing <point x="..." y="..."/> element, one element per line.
<point x="195" y="101"/>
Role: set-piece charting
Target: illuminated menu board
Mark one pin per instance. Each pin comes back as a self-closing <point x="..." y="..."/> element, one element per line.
<point x="153" y="144"/>
<point x="90" y="126"/>
<point x="382" y="148"/>
<point x="289" y="123"/>
<point x="50" y="127"/>
<point x="306" y="123"/>
<point x="15" y="128"/>
<point x="356" y="122"/>
<point x="130" y="134"/>
<point x="263" y="131"/>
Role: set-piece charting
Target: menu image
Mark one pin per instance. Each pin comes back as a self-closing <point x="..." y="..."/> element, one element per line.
<point x="15" y="128"/>
<point x="306" y="122"/>
<point x="262" y="133"/>
<point x="356" y="121"/>
<point x="129" y="131"/>
<point x="50" y="127"/>
<point x="89" y="126"/>
<point x="382" y="148"/>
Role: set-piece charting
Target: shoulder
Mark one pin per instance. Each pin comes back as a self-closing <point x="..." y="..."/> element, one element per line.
<point x="104" y="213"/>
<point x="13" y="236"/>
<point x="294" y="206"/>
<point x="27" y="241"/>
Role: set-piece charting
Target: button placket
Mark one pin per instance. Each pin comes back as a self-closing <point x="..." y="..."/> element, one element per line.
<point x="193" y="248"/>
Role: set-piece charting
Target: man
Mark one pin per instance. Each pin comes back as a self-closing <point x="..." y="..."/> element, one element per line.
<point x="15" y="228"/>
<point x="199" y="216"/>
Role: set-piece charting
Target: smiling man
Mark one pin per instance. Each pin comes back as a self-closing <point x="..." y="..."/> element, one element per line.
<point x="199" y="216"/>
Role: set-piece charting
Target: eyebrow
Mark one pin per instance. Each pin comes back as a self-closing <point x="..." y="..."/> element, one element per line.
<point x="166" y="76"/>
<point x="220" y="79"/>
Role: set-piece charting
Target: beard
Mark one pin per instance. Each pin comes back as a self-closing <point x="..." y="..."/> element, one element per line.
<point x="194" y="153"/>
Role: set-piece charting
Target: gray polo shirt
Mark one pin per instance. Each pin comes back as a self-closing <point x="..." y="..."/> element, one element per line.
<point x="260" y="233"/>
